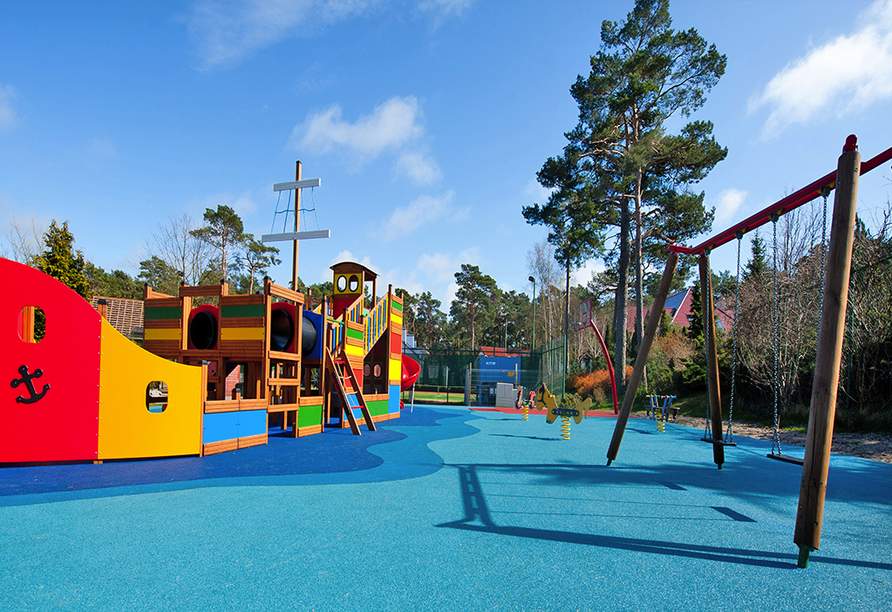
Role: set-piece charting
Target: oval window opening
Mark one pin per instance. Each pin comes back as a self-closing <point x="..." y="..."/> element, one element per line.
<point x="156" y="397"/>
<point x="31" y="324"/>
<point x="342" y="284"/>
<point x="354" y="283"/>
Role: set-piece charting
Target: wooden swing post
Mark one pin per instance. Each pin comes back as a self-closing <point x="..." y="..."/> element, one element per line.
<point x="707" y="305"/>
<point x="653" y="322"/>
<point x="822" y="411"/>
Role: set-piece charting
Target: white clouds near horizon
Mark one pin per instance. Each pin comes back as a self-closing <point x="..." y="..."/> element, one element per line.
<point x="847" y="74"/>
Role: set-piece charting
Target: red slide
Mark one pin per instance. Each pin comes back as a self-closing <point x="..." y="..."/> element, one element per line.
<point x="411" y="370"/>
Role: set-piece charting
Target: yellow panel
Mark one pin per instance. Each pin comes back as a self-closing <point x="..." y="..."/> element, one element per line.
<point x="241" y="333"/>
<point x="396" y="369"/>
<point x="126" y="427"/>
<point x="162" y="334"/>
<point x="353" y="350"/>
<point x="396" y="318"/>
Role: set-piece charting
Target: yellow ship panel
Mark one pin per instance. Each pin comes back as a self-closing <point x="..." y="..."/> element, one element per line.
<point x="127" y="426"/>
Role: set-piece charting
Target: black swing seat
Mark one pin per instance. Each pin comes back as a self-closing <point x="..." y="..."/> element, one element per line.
<point x="722" y="442"/>
<point x="785" y="458"/>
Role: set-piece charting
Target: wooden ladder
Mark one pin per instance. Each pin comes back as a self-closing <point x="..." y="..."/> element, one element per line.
<point x="341" y="369"/>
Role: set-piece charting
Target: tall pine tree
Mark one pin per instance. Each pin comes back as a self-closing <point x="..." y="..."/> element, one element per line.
<point x="620" y="168"/>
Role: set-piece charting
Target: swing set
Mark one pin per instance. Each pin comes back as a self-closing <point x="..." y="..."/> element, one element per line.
<point x="836" y="263"/>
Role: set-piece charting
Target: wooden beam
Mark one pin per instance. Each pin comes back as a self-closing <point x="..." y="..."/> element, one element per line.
<point x="653" y="322"/>
<point x="707" y="305"/>
<point x="813" y="489"/>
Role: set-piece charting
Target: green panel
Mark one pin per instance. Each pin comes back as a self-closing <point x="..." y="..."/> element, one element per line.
<point x="308" y="416"/>
<point x="356" y="334"/>
<point x="243" y="310"/>
<point x="377" y="408"/>
<point x="160" y="313"/>
<point x="396" y="305"/>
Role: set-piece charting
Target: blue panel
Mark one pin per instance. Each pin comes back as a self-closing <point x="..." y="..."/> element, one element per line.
<point x="357" y="413"/>
<point x="220" y="426"/>
<point x="393" y="402"/>
<point x="352" y="401"/>
<point x="316" y="320"/>
<point x="251" y="423"/>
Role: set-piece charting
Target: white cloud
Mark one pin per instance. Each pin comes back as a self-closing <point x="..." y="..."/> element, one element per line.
<point x="437" y="273"/>
<point x="423" y="211"/>
<point x="349" y="256"/>
<point x="584" y="274"/>
<point x="390" y="126"/>
<point x="729" y="202"/>
<point x="227" y="32"/>
<point x="847" y="74"/>
<point x="8" y="115"/>
<point x="536" y="193"/>
<point x="419" y="167"/>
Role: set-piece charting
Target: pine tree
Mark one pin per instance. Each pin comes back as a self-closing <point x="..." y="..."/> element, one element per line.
<point x="620" y="168"/>
<point x="222" y="230"/>
<point x="62" y="262"/>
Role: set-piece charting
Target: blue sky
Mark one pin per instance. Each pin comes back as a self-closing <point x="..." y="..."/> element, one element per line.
<point x="426" y="121"/>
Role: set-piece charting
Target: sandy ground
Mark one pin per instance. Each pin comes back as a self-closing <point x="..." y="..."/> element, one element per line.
<point x="869" y="446"/>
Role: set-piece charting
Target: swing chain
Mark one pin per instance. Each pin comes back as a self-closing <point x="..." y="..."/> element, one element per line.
<point x="729" y="434"/>
<point x="774" y="333"/>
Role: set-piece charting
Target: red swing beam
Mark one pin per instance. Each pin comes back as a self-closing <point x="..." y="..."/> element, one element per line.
<point x="784" y="205"/>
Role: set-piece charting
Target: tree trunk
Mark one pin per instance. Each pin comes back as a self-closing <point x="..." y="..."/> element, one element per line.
<point x="621" y="296"/>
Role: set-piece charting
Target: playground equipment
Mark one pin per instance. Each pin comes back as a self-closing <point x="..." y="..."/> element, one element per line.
<point x="410" y="371"/>
<point x="661" y="414"/>
<point x="832" y="322"/>
<point x="83" y="391"/>
<point x="545" y="399"/>
<point x="586" y="321"/>
<point x="107" y="398"/>
<point x="525" y="404"/>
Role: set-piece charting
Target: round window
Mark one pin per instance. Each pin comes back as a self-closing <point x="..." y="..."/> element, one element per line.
<point x="378" y="370"/>
<point x="366" y="370"/>
<point x="354" y="283"/>
<point x="342" y="283"/>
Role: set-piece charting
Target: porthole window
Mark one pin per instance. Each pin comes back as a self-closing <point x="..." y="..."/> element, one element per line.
<point x="156" y="397"/>
<point x="366" y="370"/>
<point x="342" y="284"/>
<point x="354" y="283"/>
<point x="378" y="370"/>
<point x="31" y="324"/>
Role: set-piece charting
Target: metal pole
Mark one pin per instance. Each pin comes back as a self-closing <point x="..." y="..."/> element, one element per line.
<point x="532" y="279"/>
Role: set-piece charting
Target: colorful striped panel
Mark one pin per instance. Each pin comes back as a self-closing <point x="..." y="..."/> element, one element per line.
<point x="241" y="333"/>
<point x="165" y="312"/>
<point x="162" y="334"/>
<point x="242" y="310"/>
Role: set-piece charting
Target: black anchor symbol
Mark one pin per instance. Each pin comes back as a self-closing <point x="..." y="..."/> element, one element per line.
<point x="26" y="378"/>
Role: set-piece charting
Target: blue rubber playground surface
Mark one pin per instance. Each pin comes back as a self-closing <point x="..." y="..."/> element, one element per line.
<point x="445" y="509"/>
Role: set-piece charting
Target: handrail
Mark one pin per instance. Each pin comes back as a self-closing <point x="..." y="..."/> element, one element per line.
<point x="376" y="323"/>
